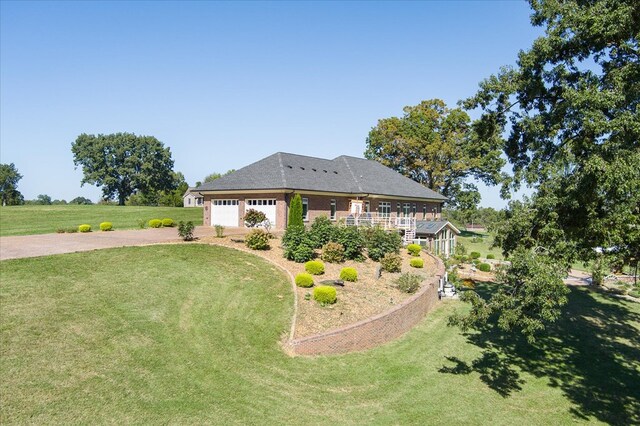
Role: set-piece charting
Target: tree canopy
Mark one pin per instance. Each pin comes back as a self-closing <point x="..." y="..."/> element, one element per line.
<point x="435" y="146"/>
<point x="123" y="163"/>
<point x="213" y="176"/>
<point x="570" y="108"/>
<point x="9" y="178"/>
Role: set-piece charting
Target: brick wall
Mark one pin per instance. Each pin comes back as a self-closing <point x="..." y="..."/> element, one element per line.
<point x="376" y="330"/>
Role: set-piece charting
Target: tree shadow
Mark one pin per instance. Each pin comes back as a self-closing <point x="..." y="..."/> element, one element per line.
<point x="471" y="234"/>
<point x="592" y="353"/>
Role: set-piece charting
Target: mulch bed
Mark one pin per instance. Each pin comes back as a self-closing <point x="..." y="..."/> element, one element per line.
<point x="356" y="300"/>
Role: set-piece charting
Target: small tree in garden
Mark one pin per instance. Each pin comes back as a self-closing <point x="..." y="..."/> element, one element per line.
<point x="253" y="218"/>
<point x="295" y="212"/>
<point x="185" y="230"/>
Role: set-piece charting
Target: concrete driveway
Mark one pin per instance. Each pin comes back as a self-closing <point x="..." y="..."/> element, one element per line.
<point x="47" y="244"/>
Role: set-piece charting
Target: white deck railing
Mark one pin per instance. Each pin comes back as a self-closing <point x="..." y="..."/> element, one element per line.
<point x="382" y="220"/>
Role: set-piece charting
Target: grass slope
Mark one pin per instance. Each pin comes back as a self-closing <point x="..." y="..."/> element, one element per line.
<point x="29" y="220"/>
<point x="188" y="334"/>
<point x="483" y="247"/>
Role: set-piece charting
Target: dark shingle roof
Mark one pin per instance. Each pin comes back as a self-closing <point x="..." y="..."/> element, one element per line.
<point x="431" y="227"/>
<point x="343" y="174"/>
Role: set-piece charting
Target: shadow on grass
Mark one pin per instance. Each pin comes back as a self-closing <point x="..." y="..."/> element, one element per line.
<point x="471" y="234"/>
<point x="592" y="354"/>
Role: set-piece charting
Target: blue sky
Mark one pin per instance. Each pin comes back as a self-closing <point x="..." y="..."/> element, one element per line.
<point x="225" y="84"/>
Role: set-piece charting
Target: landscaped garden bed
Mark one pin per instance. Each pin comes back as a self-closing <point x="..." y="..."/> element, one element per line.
<point x="356" y="301"/>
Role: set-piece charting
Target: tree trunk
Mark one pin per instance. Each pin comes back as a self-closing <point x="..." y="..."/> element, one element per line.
<point x="121" y="199"/>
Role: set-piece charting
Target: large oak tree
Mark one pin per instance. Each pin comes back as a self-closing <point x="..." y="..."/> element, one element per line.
<point x="9" y="178"/>
<point x="436" y="146"/>
<point x="570" y="108"/>
<point x="124" y="163"/>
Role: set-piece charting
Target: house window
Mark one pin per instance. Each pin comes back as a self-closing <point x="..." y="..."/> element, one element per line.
<point x="305" y="209"/>
<point x="384" y="208"/>
<point x="413" y="209"/>
<point x="398" y="209"/>
<point x="406" y="209"/>
<point x="199" y="201"/>
<point x="424" y="211"/>
<point x="333" y="210"/>
<point x="367" y="207"/>
<point x="189" y="201"/>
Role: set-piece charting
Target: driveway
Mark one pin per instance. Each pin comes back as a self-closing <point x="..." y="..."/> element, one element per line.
<point x="47" y="244"/>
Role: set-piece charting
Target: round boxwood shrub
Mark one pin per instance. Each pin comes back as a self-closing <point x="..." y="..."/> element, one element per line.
<point x="417" y="262"/>
<point x="168" y="223"/>
<point x="84" y="228"/>
<point x="484" y="267"/>
<point x="491" y="256"/>
<point x="155" y="223"/>
<point x="414" y="249"/>
<point x="314" y="267"/>
<point x="349" y="274"/>
<point x="257" y="239"/>
<point x="333" y="253"/>
<point x="304" y="280"/>
<point x="325" y="294"/>
<point x="391" y="262"/>
<point x="474" y="255"/>
<point x="106" y="226"/>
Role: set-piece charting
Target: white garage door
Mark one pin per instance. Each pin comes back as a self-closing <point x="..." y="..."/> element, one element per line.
<point x="224" y="212"/>
<point x="266" y="206"/>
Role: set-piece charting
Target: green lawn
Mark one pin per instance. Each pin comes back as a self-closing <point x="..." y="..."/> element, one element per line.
<point x="29" y="220"/>
<point x="188" y="334"/>
<point x="482" y="244"/>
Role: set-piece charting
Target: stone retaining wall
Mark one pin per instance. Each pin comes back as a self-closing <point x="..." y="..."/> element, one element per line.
<point x="376" y="330"/>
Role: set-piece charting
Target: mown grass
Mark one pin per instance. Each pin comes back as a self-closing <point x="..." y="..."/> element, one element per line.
<point x="29" y="220"/>
<point x="188" y="334"/>
<point x="482" y="243"/>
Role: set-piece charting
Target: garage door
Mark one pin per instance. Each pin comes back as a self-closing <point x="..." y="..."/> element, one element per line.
<point x="266" y="206"/>
<point x="224" y="212"/>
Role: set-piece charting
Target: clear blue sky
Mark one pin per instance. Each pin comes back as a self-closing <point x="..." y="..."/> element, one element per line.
<point x="225" y="84"/>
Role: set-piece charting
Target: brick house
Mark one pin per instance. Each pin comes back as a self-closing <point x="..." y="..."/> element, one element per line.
<point x="345" y="188"/>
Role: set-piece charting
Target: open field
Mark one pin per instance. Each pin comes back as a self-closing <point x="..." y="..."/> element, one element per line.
<point x="30" y="220"/>
<point x="187" y="333"/>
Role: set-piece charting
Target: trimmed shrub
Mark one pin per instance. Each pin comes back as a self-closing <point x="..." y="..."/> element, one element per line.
<point x="464" y="258"/>
<point x="484" y="267"/>
<point x="185" y="230"/>
<point x="155" y="223"/>
<point x="142" y="224"/>
<point x="409" y="283"/>
<point x="71" y="230"/>
<point x="84" y="228"/>
<point x="295" y="212"/>
<point x="474" y="255"/>
<point x="391" y="262"/>
<point x="304" y="280"/>
<point x="257" y="239"/>
<point x="219" y="231"/>
<point x="380" y="242"/>
<point x="491" y="256"/>
<point x="168" y="223"/>
<point x="349" y="274"/>
<point x="321" y="231"/>
<point x="253" y="217"/>
<point x="333" y="253"/>
<point x="60" y="230"/>
<point x="351" y="240"/>
<point x="314" y="267"/>
<point x="414" y="249"/>
<point x="297" y="245"/>
<point x="106" y="226"/>
<point x="325" y="294"/>
<point x="416" y="262"/>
